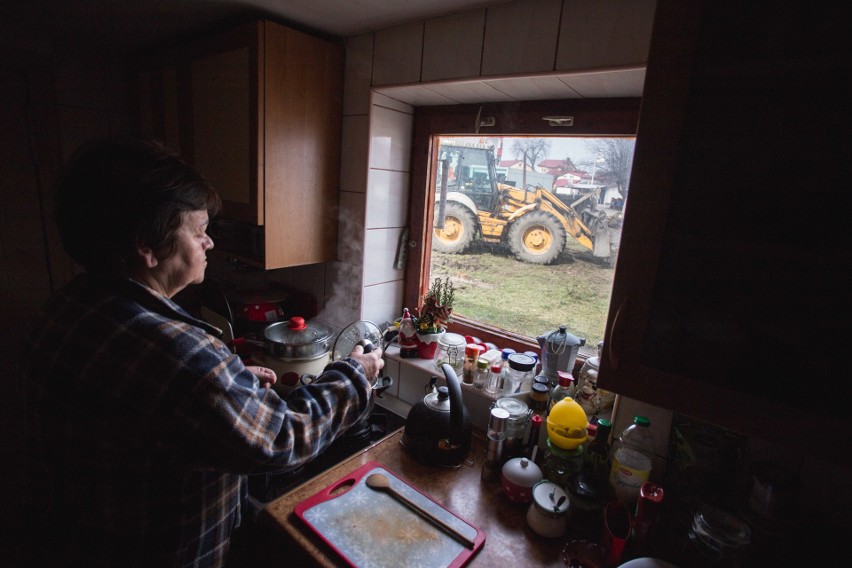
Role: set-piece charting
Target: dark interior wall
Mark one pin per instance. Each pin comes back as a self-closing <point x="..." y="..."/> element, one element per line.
<point x="49" y="104"/>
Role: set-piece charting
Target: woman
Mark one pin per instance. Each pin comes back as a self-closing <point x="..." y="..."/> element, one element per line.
<point x="143" y="423"/>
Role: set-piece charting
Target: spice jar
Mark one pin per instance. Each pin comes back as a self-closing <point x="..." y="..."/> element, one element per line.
<point x="516" y="426"/>
<point x="548" y="512"/>
<point x="451" y="351"/>
<point x="471" y="355"/>
<point x="480" y="378"/>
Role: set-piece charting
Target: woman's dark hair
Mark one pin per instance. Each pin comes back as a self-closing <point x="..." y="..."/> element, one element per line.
<point x="117" y="194"/>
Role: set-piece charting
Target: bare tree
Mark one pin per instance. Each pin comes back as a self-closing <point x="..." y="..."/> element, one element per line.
<point x="530" y="149"/>
<point x="617" y="154"/>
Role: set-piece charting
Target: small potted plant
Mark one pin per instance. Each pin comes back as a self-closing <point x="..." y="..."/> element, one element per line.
<point x="433" y="315"/>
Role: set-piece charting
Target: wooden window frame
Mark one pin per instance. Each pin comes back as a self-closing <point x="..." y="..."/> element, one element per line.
<point x="591" y="117"/>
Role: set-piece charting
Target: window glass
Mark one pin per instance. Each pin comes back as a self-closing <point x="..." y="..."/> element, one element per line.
<point x="527" y="229"/>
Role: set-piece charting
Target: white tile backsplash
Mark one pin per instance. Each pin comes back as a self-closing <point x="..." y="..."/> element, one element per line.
<point x="350" y="227"/>
<point x="343" y="285"/>
<point x="534" y="88"/>
<point x="383" y="302"/>
<point x="387" y="199"/>
<point x="380" y="254"/>
<point x="390" y="139"/>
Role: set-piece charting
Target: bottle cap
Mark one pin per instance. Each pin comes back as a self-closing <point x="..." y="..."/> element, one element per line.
<point x="565" y="378"/>
<point x="497" y="422"/>
<point x="641" y="421"/>
<point x="473" y="350"/>
<point x="482" y="363"/>
<point x="504" y="354"/>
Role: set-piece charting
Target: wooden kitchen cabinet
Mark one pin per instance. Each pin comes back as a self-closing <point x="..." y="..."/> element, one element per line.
<point x="258" y="111"/>
<point x="731" y="277"/>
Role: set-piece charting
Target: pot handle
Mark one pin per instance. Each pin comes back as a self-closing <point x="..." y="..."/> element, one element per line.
<point x="456" y="405"/>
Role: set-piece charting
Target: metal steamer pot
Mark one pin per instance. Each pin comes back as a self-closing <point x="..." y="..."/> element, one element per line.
<point x="294" y="348"/>
<point x="437" y="429"/>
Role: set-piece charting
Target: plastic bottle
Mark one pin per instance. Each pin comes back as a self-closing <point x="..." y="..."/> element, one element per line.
<point x="504" y="366"/>
<point x="632" y="461"/>
<point x="492" y="386"/>
<point x="564" y="389"/>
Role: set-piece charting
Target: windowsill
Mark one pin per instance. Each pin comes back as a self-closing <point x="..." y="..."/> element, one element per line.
<point x="428" y="366"/>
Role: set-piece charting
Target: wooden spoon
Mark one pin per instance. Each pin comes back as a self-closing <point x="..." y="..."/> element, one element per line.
<point x="379" y="482"/>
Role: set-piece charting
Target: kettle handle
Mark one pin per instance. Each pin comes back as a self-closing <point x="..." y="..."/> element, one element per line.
<point x="456" y="405"/>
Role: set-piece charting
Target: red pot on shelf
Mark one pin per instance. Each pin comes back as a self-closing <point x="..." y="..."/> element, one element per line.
<point x="427" y="344"/>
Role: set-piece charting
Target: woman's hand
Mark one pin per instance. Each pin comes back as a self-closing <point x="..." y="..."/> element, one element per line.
<point x="372" y="361"/>
<point x="266" y="376"/>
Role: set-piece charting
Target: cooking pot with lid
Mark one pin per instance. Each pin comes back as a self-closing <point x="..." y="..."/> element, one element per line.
<point x="294" y="348"/>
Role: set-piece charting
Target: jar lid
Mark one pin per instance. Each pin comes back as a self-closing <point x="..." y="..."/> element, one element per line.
<point x="522" y="472"/>
<point x="521" y="362"/>
<point x="565" y="378"/>
<point x="474" y="350"/>
<point x="482" y="363"/>
<point x="594" y="362"/>
<point x="297" y="332"/>
<point x="451" y="340"/>
<point x="513" y="405"/>
<point x="540" y="388"/>
<point x="497" y="422"/>
<point x="550" y="498"/>
<point x="504" y="354"/>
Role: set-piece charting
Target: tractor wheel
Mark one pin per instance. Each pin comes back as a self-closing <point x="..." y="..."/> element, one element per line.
<point x="537" y="238"/>
<point x="459" y="229"/>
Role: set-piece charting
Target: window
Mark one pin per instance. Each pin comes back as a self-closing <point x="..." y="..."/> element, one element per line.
<point x="523" y="209"/>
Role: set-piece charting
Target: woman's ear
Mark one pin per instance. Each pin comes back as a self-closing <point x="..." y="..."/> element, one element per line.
<point x="146" y="255"/>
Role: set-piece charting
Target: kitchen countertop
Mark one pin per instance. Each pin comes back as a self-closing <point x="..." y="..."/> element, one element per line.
<point x="509" y="540"/>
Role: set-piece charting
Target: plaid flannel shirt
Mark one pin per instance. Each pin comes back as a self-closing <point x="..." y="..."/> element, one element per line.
<point x="142" y="425"/>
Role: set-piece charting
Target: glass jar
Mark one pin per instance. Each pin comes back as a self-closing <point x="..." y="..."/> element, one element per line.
<point x="516" y="426"/>
<point x="718" y="539"/>
<point x="471" y="355"/>
<point x="589" y="374"/>
<point x="480" y="378"/>
<point x="521" y="372"/>
<point x="450" y="351"/>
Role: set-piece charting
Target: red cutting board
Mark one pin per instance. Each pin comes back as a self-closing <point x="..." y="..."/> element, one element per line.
<point x="370" y="528"/>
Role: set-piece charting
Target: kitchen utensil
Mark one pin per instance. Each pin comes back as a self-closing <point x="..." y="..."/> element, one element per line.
<point x="567" y="425"/>
<point x="379" y="482"/>
<point x="370" y="529"/>
<point x="292" y="349"/>
<point x="352" y="335"/>
<point x="559" y="350"/>
<point x="437" y="428"/>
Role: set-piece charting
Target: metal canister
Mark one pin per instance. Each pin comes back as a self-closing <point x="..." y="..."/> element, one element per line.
<point x="516" y="426"/>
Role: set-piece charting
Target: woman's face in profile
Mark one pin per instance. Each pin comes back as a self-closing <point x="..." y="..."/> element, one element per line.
<point x="187" y="265"/>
